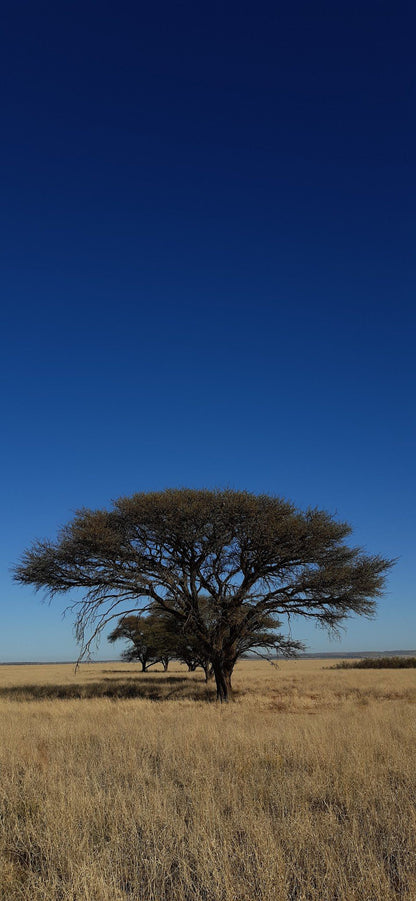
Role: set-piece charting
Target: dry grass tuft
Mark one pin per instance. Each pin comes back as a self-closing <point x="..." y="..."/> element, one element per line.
<point x="303" y="790"/>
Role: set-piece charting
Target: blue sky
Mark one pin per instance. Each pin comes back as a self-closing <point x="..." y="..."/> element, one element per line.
<point x="208" y="274"/>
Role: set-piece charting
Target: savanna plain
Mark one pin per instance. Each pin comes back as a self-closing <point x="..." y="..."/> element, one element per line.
<point x="122" y="786"/>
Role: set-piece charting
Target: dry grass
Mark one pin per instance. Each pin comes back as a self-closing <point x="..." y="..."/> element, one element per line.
<point x="303" y="790"/>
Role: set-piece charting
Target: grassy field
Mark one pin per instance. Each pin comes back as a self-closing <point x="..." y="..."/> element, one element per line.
<point x="118" y="786"/>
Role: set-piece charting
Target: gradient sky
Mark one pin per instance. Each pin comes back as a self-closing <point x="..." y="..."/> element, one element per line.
<point x="208" y="274"/>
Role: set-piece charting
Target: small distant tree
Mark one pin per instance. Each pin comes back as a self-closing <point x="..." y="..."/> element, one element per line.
<point x="192" y="652"/>
<point x="158" y="638"/>
<point x="185" y="645"/>
<point x="252" y="556"/>
<point x="142" y="646"/>
<point x="162" y="631"/>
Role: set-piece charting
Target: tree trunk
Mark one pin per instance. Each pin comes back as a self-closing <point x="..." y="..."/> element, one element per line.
<point x="165" y="665"/>
<point x="209" y="672"/>
<point x="223" y="682"/>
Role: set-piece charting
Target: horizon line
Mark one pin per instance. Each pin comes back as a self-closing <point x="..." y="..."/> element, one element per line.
<point x="305" y="655"/>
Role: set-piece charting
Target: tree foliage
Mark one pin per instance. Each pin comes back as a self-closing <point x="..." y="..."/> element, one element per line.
<point x="219" y="562"/>
<point x="146" y="642"/>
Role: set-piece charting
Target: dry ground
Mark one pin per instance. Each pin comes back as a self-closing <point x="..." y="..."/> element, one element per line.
<point x="117" y="786"/>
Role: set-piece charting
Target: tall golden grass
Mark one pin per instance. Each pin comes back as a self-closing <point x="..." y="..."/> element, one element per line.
<point x="304" y="789"/>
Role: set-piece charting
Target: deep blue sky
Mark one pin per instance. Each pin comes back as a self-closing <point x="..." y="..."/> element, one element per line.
<point x="208" y="273"/>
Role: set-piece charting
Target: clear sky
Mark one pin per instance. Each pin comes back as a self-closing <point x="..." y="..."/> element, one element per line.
<point x="208" y="274"/>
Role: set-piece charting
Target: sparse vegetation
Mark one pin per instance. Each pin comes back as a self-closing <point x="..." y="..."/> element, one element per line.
<point x="378" y="663"/>
<point x="304" y="789"/>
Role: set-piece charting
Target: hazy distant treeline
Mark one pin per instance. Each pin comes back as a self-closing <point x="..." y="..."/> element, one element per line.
<point x="378" y="663"/>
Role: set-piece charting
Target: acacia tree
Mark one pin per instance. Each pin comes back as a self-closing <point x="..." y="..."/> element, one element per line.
<point x="159" y="637"/>
<point x="163" y="636"/>
<point x="194" y="653"/>
<point x="253" y="556"/>
<point x="143" y="645"/>
<point x="185" y="644"/>
<point x="179" y="643"/>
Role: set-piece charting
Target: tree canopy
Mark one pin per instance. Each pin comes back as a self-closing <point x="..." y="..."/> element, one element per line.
<point x="147" y="642"/>
<point x="222" y="563"/>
